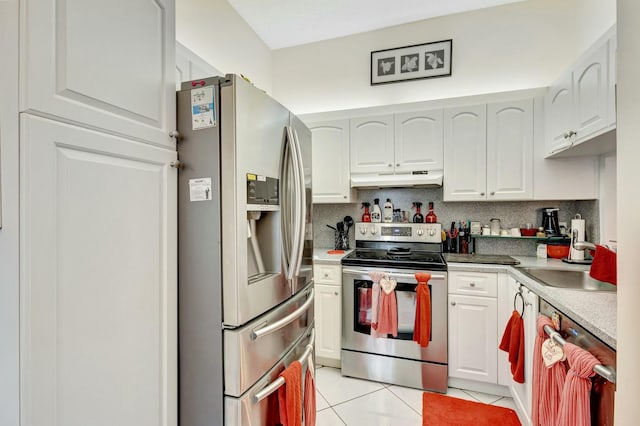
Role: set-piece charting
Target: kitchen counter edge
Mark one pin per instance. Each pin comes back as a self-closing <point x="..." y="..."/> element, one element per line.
<point x="320" y="256"/>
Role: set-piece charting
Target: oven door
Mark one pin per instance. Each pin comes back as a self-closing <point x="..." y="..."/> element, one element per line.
<point x="356" y="315"/>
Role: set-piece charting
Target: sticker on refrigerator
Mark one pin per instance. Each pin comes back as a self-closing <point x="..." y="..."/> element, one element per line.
<point x="203" y="111"/>
<point x="200" y="189"/>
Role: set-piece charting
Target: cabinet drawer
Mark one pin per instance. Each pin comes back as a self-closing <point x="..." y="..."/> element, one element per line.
<point x="474" y="283"/>
<point x="327" y="274"/>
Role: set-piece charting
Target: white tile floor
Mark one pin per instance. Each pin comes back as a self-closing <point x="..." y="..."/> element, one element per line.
<point x="346" y="401"/>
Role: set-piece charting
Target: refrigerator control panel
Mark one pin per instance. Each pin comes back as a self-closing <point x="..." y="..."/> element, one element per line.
<point x="262" y="190"/>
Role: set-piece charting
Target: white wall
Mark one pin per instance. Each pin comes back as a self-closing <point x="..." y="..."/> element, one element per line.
<point x="9" y="266"/>
<point x="628" y="386"/>
<point x="214" y="31"/>
<point x="516" y="46"/>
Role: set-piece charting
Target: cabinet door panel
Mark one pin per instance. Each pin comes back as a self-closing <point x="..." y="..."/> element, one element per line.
<point x="98" y="281"/>
<point x="328" y="311"/>
<point x="510" y="150"/>
<point x="330" y="145"/>
<point x="465" y="155"/>
<point x="591" y="81"/>
<point x="473" y="338"/>
<point x="108" y="65"/>
<point x="371" y="144"/>
<point x="560" y="117"/>
<point x="418" y="141"/>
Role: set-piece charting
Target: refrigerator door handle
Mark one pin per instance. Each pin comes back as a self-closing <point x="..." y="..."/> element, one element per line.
<point x="277" y="383"/>
<point x="294" y="243"/>
<point x="267" y="329"/>
<point x="300" y="203"/>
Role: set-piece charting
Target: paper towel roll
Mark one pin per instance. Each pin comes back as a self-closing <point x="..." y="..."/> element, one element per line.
<point x="577" y="234"/>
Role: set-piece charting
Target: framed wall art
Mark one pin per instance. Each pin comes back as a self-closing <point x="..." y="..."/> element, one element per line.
<point x="419" y="61"/>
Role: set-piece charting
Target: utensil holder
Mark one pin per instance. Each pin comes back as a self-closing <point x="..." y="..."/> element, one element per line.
<point x="341" y="240"/>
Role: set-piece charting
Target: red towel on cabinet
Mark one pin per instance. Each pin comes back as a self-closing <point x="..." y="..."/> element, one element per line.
<point x="547" y="383"/>
<point x="290" y="395"/>
<point x="575" y="404"/>
<point x="513" y="343"/>
<point x="309" y="395"/>
<point x="422" y="324"/>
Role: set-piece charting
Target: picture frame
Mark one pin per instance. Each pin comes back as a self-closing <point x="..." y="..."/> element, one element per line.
<point x="418" y="61"/>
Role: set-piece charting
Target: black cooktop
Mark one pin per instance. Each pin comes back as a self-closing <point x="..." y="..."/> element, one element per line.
<point x="396" y="258"/>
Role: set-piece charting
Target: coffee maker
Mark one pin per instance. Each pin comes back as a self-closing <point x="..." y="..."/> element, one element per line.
<point x="550" y="221"/>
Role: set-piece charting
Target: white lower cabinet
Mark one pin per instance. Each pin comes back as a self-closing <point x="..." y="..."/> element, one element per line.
<point x="328" y="313"/>
<point x="473" y="337"/>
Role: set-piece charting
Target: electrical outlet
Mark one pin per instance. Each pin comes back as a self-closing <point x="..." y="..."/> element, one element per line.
<point x="563" y="224"/>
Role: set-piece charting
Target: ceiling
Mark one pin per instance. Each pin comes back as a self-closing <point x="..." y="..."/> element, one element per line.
<point x="286" y="23"/>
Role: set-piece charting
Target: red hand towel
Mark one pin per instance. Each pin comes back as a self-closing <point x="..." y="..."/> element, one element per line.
<point x="422" y="323"/>
<point x="547" y="382"/>
<point x="388" y="315"/>
<point x="290" y="395"/>
<point x="513" y="343"/>
<point x="575" y="405"/>
<point x="604" y="266"/>
<point x="309" y="395"/>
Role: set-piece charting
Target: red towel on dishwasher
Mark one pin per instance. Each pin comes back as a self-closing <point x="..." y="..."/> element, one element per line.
<point x="575" y="404"/>
<point x="604" y="266"/>
<point x="513" y="343"/>
<point x="547" y="383"/>
<point x="290" y="395"/>
<point x="422" y="323"/>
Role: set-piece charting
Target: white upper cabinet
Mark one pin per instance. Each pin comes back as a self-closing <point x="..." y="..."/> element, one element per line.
<point x="190" y="66"/>
<point x="580" y="105"/>
<point x="330" y="168"/>
<point x="465" y="153"/>
<point x="108" y="65"/>
<point x="371" y="143"/>
<point x="510" y="150"/>
<point x="418" y="141"/>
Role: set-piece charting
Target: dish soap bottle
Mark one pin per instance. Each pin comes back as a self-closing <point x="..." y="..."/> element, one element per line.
<point x="388" y="211"/>
<point x="376" y="214"/>
<point x="418" y="217"/>
<point x="366" y="217"/>
<point x="431" y="216"/>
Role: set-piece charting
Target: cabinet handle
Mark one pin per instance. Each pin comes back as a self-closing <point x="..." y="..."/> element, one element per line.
<point x="344" y="196"/>
<point x="390" y="165"/>
<point x="493" y="193"/>
<point x="482" y="194"/>
<point x="566" y="135"/>
<point x="335" y="292"/>
<point x="326" y="275"/>
<point x="398" y="165"/>
<point x="453" y="303"/>
<point x="177" y="164"/>
<point x="175" y="134"/>
<point x="472" y="284"/>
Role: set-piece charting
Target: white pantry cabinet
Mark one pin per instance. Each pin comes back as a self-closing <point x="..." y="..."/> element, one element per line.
<point x="98" y="293"/>
<point x="330" y="168"/>
<point x="108" y="65"/>
<point x="328" y="313"/>
<point x="473" y="336"/>
<point x="580" y="105"/>
<point x="465" y="153"/>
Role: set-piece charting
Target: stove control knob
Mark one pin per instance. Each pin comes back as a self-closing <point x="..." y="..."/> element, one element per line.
<point x="420" y="232"/>
<point x="373" y="230"/>
<point x="363" y="230"/>
<point x="432" y="232"/>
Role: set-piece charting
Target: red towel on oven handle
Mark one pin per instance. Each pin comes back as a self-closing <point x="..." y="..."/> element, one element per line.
<point x="604" y="266"/>
<point x="422" y="323"/>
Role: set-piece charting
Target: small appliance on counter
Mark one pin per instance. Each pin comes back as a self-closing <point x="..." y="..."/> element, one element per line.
<point x="550" y="221"/>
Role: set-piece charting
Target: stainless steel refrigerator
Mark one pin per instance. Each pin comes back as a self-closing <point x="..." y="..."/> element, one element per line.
<point x="245" y="250"/>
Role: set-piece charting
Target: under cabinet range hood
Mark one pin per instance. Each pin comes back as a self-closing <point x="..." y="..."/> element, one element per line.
<point x="431" y="178"/>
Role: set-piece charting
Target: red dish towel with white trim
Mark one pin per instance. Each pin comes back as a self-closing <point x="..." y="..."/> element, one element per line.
<point x="575" y="403"/>
<point x="375" y="302"/>
<point x="547" y="382"/>
<point x="422" y="323"/>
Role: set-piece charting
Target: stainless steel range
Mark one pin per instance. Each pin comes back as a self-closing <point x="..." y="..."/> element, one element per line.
<point x="399" y="250"/>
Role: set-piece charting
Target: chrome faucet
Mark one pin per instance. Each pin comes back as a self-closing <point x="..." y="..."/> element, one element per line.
<point x="584" y="245"/>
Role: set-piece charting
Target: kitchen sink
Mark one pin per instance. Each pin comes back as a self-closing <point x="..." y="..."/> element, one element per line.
<point x="572" y="280"/>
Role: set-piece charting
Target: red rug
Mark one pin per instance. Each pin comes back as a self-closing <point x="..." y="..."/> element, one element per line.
<point x="442" y="410"/>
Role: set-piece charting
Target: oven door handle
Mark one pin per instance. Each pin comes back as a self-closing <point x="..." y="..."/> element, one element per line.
<point x="267" y="329"/>
<point x="277" y="383"/>
<point x="391" y="274"/>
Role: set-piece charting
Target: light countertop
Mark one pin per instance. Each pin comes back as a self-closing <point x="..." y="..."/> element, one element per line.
<point x="320" y="255"/>
<point x="595" y="311"/>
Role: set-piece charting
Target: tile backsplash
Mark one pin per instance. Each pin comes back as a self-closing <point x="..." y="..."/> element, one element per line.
<point x="511" y="213"/>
